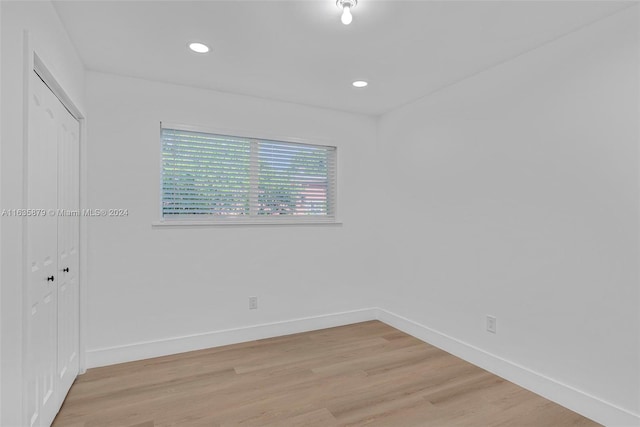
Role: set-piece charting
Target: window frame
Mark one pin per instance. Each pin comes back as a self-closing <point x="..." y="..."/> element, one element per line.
<point x="237" y="221"/>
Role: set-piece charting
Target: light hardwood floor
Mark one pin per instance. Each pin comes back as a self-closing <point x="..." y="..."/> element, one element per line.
<point x="363" y="374"/>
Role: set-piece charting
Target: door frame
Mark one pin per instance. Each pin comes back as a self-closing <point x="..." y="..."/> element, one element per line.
<point x="33" y="62"/>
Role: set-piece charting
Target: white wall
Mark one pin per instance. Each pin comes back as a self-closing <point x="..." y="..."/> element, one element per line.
<point x="517" y="196"/>
<point x="148" y="285"/>
<point x="50" y="40"/>
<point x="1" y="323"/>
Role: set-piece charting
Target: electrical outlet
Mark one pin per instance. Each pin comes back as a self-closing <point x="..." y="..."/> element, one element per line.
<point x="491" y="324"/>
<point x="253" y="303"/>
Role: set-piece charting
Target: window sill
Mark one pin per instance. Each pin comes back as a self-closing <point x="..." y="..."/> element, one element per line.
<point x="231" y="223"/>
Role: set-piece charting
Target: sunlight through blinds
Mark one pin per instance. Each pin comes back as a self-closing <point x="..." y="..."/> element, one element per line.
<point x="209" y="176"/>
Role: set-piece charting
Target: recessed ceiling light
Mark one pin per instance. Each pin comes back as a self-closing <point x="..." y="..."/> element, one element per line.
<point x="199" y="47"/>
<point x="359" y="83"/>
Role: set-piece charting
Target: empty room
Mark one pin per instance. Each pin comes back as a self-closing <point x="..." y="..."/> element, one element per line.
<point x="319" y="213"/>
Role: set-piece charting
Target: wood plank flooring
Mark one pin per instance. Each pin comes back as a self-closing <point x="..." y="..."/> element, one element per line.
<point x="367" y="374"/>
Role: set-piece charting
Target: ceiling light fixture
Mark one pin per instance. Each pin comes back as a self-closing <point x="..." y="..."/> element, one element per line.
<point x="359" y="83"/>
<point x="346" y="6"/>
<point x="199" y="47"/>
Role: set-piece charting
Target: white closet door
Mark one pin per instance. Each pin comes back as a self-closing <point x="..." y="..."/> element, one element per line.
<point x="51" y="357"/>
<point x="68" y="254"/>
<point x="42" y="254"/>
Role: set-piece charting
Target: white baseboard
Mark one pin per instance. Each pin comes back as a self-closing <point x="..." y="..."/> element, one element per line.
<point x="583" y="403"/>
<point x="163" y="347"/>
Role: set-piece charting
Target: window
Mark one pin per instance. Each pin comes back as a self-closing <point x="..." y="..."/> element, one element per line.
<point x="222" y="178"/>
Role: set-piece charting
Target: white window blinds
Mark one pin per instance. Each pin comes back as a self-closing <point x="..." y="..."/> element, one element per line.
<point x="218" y="177"/>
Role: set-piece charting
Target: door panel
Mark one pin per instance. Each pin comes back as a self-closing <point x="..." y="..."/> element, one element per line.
<point x="68" y="255"/>
<point x="42" y="181"/>
<point x="51" y="357"/>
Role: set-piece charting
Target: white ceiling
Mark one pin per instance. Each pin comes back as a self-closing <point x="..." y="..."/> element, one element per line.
<point x="299" y="51"/>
